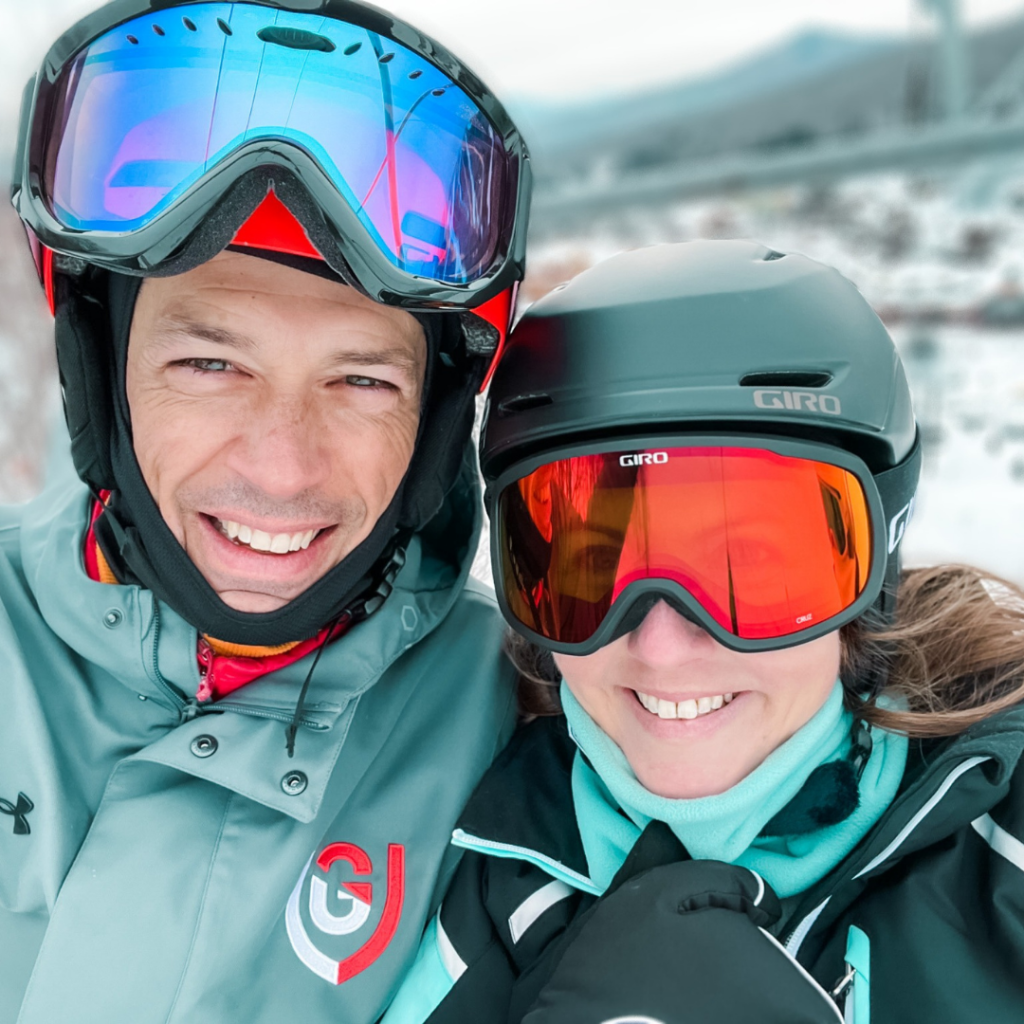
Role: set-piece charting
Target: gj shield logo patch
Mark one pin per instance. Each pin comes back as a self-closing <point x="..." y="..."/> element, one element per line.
<point x="339" y="920"/>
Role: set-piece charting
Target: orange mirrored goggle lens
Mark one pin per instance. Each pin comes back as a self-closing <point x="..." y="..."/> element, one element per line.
<point x="767" y="543"/>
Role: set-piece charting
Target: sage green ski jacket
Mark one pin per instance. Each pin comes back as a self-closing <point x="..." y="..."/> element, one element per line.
<point x="159" y="865"/>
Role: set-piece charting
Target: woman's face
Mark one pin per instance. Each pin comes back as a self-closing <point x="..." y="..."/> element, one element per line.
<point x="746" y="705"/>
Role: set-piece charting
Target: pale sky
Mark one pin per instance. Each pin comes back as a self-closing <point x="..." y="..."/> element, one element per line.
<point x="563" y="49"/>
<point x="575" y="48"/>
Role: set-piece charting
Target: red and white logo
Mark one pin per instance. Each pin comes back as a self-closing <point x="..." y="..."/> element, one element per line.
<point x="341" y="903"/>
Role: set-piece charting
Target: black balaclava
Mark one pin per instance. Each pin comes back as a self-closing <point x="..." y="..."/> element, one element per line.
<point x="93" y="325"/>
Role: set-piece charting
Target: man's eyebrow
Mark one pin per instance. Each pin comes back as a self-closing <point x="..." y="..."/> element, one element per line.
<point x="397" y="357"/>
<point x="171" y="326"/>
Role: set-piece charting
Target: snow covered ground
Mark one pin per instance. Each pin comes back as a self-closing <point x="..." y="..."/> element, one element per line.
<point x="941" y="244"/>
<point x="969" y="392"/>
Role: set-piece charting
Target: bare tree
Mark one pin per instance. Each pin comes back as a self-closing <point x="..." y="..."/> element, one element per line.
<point x="29" y="394"/>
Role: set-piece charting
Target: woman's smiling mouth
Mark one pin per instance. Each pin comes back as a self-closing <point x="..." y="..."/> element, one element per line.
<point x="692" y="708"/>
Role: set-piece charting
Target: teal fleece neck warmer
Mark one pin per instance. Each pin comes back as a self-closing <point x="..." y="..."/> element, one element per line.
<point x="727" y="826"/>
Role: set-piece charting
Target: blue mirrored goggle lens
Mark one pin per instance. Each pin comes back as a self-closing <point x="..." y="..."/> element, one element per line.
<point x="149" y="108"/>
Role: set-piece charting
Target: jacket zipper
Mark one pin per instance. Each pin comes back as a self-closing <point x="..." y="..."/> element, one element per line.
<point x="805" y="974"/>
<point x="187" y="709"/>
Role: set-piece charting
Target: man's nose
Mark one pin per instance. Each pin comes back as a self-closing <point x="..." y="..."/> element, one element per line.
<point x="665" y="638"/>
<point x="282" y="449"/>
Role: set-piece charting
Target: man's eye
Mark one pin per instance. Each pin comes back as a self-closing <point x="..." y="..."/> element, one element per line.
<point x="206" y="365"/>
<point x="366" y="382"/>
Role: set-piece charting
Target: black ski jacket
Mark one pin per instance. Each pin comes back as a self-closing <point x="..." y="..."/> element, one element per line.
<point x="922" y="922"/>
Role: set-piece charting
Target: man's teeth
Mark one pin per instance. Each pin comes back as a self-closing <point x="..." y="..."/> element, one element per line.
<point x="683" y="708"/>
<point x="259" y="540"/>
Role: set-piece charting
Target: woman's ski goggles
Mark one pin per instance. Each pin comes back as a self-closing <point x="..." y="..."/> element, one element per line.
<point x="764" y="543"/>
<point x="134" y="133"/>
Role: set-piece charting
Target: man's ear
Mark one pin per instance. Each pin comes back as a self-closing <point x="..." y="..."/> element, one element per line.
<point x="84" y="359"/>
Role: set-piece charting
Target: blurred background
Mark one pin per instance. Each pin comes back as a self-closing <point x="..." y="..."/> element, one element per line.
<point x="884" y="137"/>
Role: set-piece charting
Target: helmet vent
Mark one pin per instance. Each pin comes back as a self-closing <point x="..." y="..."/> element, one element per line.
<point x="772" y="255"/>
<point x="522" y="403"/>
<point x="295" y="39"/>
<point x="787" y="379"/>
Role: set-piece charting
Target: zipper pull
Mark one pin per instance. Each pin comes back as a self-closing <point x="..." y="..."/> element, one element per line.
<point x="844" y="983"/>
<point x="190" y="709"/>
<point x="205" y="656"/>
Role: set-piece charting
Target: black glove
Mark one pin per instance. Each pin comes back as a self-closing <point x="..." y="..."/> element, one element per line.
<point x="681" y="944"/>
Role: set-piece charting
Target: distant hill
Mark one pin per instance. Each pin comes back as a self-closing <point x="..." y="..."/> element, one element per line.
<point x="555" y="128"/>
<point x="815" y="85"/>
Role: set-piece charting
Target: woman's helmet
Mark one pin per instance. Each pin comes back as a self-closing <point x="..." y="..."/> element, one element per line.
<point x="324" y="134"/>
<point x="714" y="424"/>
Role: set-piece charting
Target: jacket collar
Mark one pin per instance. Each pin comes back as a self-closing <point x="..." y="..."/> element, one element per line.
<point x="948" y="784"/>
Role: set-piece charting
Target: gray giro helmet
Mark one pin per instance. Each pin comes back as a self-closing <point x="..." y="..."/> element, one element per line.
<point x="724" y="343"/>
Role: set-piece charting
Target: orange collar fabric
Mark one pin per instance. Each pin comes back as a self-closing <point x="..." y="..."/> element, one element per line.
<point x="223" y="667"/>
<point x="96" y="565"/>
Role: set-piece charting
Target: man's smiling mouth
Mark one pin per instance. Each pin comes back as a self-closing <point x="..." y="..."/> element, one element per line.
<point x="243" y="535"/>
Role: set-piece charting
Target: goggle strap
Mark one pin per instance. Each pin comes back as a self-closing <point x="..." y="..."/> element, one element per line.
<point x="896" y="488"/>
<point x="497" y="312"/>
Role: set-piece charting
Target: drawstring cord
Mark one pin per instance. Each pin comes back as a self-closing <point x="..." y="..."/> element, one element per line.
<point x="358" y="612"/>
<point x="300" y="705"/>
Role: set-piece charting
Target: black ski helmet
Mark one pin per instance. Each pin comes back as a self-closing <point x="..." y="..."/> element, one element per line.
<point x="701" y="338"/>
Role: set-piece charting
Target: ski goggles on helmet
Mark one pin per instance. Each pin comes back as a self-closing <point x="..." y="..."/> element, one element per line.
<point x="412" y="180"/>
<point x="764" y="543"/>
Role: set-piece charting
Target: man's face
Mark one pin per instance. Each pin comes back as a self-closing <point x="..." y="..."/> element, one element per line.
<point x="274" y="415"/>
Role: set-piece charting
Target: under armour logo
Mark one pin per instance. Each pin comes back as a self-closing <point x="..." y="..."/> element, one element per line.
<point x="18" y="812"/>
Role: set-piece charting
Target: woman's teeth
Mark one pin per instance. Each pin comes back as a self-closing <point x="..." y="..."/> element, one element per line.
<point x="258" y="540"/>
<point x="683" y="708"/>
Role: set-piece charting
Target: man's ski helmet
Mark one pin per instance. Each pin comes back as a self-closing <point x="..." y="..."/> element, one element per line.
<point x="323" y="135"/>
<point x="715" y="424"/>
